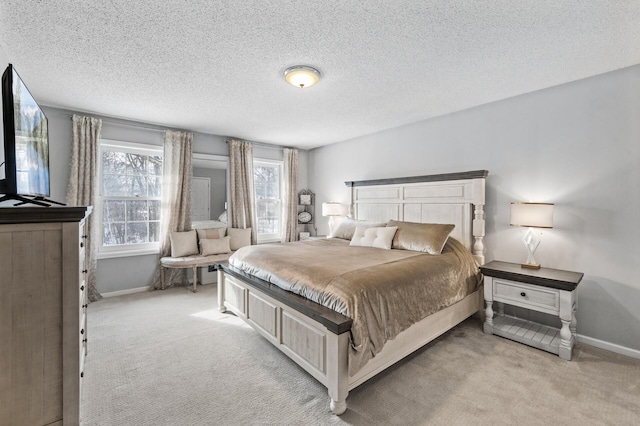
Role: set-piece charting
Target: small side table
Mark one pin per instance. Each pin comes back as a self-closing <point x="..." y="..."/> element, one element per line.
<point x="552" y="291"/>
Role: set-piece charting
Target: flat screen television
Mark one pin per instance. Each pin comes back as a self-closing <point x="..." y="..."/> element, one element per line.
<point x="26" y="143"/>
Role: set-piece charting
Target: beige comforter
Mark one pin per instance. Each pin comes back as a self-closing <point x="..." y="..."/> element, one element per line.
<point x="383" y="291"/>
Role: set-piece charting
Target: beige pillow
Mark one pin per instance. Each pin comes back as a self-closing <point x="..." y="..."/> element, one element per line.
<point x="211" y="233"/>
<point x="347" y="227"/>
<point x="183" y="243"/>
<point x="209" y="246"/>
<point x="379" y="237"/>
<point x="239" y="237"/>
<point x="425" y="237"/>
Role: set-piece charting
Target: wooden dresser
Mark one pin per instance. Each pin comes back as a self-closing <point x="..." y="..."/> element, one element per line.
<point x="43" y="299"/>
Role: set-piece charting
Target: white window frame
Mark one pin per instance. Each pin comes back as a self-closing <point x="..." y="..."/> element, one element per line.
<point x="125" y="250"/>
<point x="277" y="237"/>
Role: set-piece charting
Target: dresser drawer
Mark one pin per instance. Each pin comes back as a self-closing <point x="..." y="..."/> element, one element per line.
<point x="526" y="296"/>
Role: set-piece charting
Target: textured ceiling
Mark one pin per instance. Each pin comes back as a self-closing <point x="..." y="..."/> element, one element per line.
<point x="216" y="66"/>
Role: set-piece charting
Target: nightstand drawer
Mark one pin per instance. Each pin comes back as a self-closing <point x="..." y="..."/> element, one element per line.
<point x="526" y="296"/>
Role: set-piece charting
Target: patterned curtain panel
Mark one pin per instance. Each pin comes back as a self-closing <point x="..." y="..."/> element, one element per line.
<point x="243" y="214"/>
<point x="290" y="195"/>
<point x="176" y="199"/>
<point x="82" y="189"/>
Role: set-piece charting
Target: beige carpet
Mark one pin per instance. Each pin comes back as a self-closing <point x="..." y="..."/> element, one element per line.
<point x="169" y="358"/>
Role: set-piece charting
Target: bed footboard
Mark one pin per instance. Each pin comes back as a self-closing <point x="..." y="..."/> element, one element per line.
<point x="320" y="346"/>
<point x="317" y="338"/>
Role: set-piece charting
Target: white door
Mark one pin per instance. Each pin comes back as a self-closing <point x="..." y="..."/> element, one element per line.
<point x="200" y="194"/>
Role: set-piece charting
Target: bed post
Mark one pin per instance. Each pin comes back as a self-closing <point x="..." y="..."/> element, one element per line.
<point x="478" y="220"/>
<point x="351" y="199"/>
<point x="338" y="371"/>
<point x="220" y="285"/>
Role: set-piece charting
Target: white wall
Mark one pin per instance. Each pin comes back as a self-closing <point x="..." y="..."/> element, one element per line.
<point x="576" y="145"/>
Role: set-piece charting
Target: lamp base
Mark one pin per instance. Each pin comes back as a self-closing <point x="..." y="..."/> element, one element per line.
<point x="530" y="265"/>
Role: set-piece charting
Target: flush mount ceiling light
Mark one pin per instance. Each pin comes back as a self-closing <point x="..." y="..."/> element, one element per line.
<point x="301" y="76"/>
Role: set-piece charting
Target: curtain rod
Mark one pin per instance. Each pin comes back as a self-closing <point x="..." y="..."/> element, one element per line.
<point x="264" y="145"/>
<point x="122" y="121"/>
<point x="158" y="128"/>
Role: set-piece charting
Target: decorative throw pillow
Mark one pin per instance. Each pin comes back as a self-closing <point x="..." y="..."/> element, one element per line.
<point x="379" y="237"/>
<point x="347" y="227"/>
<point x="239" y="237"/>
<point x="210" y="233"/>
<point x="223" y="217"/>
<point x="209" y="246"/>
<point x="425" y="237"/>
<point x="183" y="243"/>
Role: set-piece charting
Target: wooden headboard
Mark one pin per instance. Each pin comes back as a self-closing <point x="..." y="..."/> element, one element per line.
<point x="456" y="198"/>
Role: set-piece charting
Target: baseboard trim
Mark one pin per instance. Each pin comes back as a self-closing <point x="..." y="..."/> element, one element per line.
<point x="123" y="292"/>
<point x="612" y="347"/>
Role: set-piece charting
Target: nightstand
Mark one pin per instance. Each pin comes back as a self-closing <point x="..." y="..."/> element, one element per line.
<point x="552" y="291"/>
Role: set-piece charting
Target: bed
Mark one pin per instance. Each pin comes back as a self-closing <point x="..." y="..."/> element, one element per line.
<point x="328" y="336"/>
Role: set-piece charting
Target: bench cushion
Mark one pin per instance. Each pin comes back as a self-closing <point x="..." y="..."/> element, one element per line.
<point x="211" y="246"/>
<point x="183" y="243"/>
<point x="239" y="237"/>
<point x="195" y="260"/>
<point x="211" y="233"/>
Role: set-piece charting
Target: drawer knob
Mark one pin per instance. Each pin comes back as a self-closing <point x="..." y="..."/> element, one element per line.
<point x="84" y="271"/>
<point x="82" y="374"/>
<point x="81" y="245"/>
<point x="84" y="236"/>
<point x="523" y="294"/>
<point x="82" y="289"/>
<point x="82" y="331"/>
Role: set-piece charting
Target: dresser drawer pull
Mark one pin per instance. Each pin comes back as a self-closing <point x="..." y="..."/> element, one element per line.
<point x="82" y="374"/>
<point x="81" y="244"/>
<point x="84" y="236"/>
<point x="523" y="294"/>
<point x="82" y="331"/>
<point x="81" y="288"/>
<point x="84" y="340"/>
<point x="84" y="271"/>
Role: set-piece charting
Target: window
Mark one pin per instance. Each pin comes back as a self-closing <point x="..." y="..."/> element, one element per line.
<point x="267" y="180"/>
<point x="130" y="197"/>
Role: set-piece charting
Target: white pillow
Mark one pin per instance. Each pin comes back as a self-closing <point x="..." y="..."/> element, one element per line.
<point x="210" y="233"/>
<point x="347" y="227"/>
<point x="380" y="237"/>
<point x="209" y="246"/>
<point x="223" y="217"/>
<point x="239" y="237"/>
<point x="183" y="243"/>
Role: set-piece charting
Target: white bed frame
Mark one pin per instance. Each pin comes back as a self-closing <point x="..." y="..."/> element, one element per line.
<point x="317" y="338"/>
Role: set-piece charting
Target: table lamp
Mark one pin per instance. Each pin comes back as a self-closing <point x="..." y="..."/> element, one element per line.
<point x="531" y="215"/>
<point x="333" y="209"/>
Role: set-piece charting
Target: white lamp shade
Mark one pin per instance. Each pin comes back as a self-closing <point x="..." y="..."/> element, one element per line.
<point x="334" y="209"/>
<point x="533" y="215"/>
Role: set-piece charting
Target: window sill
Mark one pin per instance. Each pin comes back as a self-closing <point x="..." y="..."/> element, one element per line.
<point x="127" y="253"/>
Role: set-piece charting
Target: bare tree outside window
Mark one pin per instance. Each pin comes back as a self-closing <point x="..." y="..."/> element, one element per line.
<point x="131" y="191"/>
<point x="267" y="183"/>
